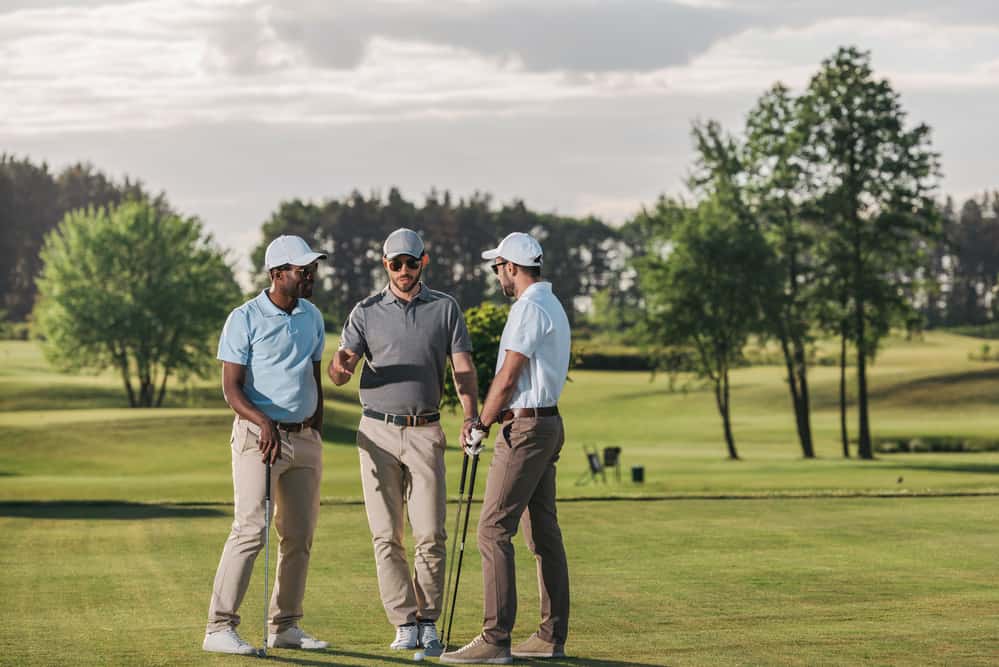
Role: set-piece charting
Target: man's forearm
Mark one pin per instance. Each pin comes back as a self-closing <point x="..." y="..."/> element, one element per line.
<point x="467" y="386"/>
<point x="242" y="406"/>
<point x="498" y="397"/>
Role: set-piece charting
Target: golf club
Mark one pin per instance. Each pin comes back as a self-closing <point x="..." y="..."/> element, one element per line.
<point x="454" y="537"/>
<point x="476" y="438"/>
<point x="267" y="549"/>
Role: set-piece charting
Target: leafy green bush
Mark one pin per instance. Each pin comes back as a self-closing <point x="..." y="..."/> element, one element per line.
<point x="485" y="326"/>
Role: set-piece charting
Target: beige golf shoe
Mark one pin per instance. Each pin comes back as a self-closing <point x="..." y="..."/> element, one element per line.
<point x="536" y="647"/>
<point x="478" y="652"/>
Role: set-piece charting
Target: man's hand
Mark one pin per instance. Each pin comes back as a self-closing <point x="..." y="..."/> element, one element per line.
<point x="342" y="366"/>
<point x="474" y="440"/>
<point x="466" y="430"/>
<point x="269" y="441"/>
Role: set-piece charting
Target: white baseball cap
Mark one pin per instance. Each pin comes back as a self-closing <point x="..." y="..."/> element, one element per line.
<point x="519" y="248"/>
<point x="290" y="250"/>
<point x="403" y="242"/>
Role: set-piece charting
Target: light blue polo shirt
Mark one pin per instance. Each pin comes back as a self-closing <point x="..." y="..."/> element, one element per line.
<point x="278" y="350"/>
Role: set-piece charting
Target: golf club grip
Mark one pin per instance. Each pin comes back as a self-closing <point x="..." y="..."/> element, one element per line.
<point x="464" y="471"/>
<point x="471" y="487"/>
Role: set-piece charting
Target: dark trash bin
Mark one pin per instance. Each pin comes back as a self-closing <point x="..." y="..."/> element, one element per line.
<point x="638" y="474"/>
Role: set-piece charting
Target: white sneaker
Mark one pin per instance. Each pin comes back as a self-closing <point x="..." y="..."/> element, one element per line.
<point x="227" y="641"/>
<point x="406" y="637"/>
<point x="429" y="639"/>
<point x="296" y="637"/>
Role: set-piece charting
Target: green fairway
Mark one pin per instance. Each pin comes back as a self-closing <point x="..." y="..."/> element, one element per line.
<point x="113" y="521"/>
<point x="898" y="581"/>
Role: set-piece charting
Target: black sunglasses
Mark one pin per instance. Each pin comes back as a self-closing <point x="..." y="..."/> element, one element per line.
<point x="396" y="264"/>
<point x="305" y="271"/>
<point x="497" y="266"/>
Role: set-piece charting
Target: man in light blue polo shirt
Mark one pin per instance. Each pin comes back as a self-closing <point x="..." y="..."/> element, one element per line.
<point x="271" y="348"/>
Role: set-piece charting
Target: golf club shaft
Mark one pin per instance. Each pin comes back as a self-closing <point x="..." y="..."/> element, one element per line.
<point x="461" y="549"/>
<point x="454" y="542"/>
<point x="267" y="543"/>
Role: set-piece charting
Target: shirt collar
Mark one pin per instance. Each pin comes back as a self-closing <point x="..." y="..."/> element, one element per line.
<point x="536" y="287"/>
<point x="388" y="296"/>
<point x="270" y="310"/>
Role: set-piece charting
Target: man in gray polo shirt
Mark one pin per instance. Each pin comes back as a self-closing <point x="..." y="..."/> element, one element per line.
<point x="406" y="333"/>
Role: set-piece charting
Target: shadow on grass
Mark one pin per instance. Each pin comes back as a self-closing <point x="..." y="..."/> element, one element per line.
<point x="969" y="387"/>
<point x="978" y="468"/>
<point x="101" y="509"/>
<point x="293" y="658"/>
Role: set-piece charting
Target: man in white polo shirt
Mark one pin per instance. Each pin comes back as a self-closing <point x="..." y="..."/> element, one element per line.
<point x="530" y="373"/>
<point x="271" y="348"/>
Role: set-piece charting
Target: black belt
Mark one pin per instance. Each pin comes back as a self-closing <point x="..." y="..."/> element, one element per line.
<point x="290" y="428"/>
<point x="402" y="420"/>
<point x="527" y="413"/>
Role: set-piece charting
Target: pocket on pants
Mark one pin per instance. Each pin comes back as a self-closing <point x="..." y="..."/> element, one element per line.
<point x="242" y="437"/>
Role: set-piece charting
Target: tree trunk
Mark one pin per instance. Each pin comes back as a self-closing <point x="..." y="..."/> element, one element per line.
<point x="864" y="449"/>
<point x="722" y="398"/>
<point x="805" y="430"/>
<point x="122" y="359"/>
<point x="844" y="434"/>
<point x="159" y="399"/>
<point x="798" y="400"/>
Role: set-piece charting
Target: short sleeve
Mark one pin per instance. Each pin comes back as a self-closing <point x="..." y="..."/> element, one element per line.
<point x="527" y="325"/>
<point x="234" y="343"/>
<point x="317" y="354"/>
<point x="461" y="341"/>
<point x="353" y="337"/>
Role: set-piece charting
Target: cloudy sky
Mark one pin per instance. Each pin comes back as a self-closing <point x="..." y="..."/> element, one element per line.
<point x="575" y="106"/>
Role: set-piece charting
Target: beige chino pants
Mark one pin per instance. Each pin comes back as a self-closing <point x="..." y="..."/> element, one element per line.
<point x="520" y="489"/>
<point x="402" y="474"/>
<point x="295" y="479"/>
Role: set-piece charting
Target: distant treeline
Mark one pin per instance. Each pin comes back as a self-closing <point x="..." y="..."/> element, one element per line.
<point x="582" y="256"/>
<point x="587" y="260"/>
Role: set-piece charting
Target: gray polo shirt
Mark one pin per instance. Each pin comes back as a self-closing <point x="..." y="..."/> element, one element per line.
<point x="406" y="348"/>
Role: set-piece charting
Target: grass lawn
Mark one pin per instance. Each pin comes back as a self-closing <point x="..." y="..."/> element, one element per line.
<point x="889" y="581"/>
<point x="113" y="520"/>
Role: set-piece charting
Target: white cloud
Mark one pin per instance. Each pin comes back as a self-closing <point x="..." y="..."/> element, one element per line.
<point x="232" y="106"/>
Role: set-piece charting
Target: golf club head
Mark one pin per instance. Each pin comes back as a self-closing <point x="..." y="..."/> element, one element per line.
<point x="261" y="653"/>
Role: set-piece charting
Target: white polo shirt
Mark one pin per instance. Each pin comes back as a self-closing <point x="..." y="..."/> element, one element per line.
<point x="538" y="329"/>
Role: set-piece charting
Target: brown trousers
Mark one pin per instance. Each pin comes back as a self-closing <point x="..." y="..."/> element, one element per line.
<point x="295" y="481"/>
<point x="522" y="477"/>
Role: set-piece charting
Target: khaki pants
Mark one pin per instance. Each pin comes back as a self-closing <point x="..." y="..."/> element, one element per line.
<point x="402" y="468"/>
<point x="295" y="481"/>
<point x="522" y="477"/>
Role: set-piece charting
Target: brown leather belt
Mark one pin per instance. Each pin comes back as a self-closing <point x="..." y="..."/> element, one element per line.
<point x="291" y="428"/>
<point x="528" y="413"/>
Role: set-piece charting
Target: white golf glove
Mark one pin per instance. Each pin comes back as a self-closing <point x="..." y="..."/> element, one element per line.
<point x="474" y="444"/>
